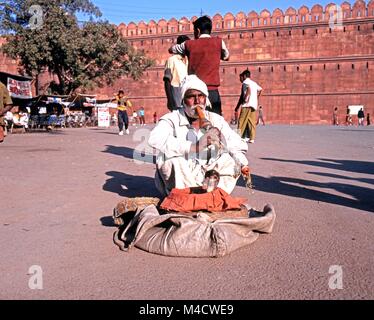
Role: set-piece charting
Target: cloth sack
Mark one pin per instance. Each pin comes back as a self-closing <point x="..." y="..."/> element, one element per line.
<point x="179" y="235"/>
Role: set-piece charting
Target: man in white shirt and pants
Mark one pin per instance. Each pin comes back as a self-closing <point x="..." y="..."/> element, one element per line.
<point x="247" y="119"/>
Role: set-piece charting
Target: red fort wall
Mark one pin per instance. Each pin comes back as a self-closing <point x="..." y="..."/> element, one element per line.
<point x="306" y="65"/>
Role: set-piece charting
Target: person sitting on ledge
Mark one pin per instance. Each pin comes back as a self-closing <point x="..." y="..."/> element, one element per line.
<point x="187" y="150"/>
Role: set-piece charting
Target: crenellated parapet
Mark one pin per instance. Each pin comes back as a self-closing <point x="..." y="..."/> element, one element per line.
<point x="265" y="18"/>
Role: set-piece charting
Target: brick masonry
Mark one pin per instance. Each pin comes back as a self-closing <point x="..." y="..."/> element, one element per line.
<point x="306" y="62"/>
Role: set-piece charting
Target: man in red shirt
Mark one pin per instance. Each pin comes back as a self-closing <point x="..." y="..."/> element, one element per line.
<point x="204" y="55"/>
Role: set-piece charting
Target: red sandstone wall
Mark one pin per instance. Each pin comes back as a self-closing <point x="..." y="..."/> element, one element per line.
<point x="305" y="67"/>
<point x="7" y="64"/>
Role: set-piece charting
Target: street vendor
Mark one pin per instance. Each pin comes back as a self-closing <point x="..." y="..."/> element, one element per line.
<point x="188" y="149"/>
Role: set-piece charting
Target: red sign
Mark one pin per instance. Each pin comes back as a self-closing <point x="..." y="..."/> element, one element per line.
<point x="19" y="89"/>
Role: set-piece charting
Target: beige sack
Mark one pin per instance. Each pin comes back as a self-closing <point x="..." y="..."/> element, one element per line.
<point x="180" y="235"/>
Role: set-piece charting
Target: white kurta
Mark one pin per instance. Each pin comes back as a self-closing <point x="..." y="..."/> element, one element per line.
<point x="177" y="167"/>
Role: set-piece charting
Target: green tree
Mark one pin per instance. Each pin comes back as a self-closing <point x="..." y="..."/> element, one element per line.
<point x="80" y="55"/>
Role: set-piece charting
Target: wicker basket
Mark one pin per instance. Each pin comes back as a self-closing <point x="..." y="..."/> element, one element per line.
<point x="130" y="206"/>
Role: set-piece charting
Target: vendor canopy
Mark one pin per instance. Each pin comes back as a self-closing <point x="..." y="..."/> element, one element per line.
<point x="85" y="100"/>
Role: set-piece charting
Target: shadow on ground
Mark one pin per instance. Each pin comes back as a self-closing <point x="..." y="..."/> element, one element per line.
<point x="359" y="197"/>
<point x="356" y="130"/>
<point x="111" y="133"/>
<point x="129" y="153"/>
<point x="37" y="130"/>
<point x="127" y="185"/>
<point x="107" y="221"/>
<point x="344" y="165"/>
<point x="301" y="188"/>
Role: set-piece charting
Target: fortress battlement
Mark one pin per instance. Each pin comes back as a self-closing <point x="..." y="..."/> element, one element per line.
<point x="253" y="20"/>
<point x="308" y="61"/>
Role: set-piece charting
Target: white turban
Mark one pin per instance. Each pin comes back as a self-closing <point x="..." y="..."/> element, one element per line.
<point x="193" y="82"/>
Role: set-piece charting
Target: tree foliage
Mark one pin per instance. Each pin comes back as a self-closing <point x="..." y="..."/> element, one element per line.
<point x="80" y="55"/>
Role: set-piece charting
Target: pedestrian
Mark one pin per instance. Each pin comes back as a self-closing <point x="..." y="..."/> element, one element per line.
<point x="361" y="117"/>
<point x="204" y="54"/>
<point x="114" y="119"/>
<point x="335" y="120"/>
<point x="175" y="71"/>
<point x="260" y="116"/>
<point x="241" y="97"/>
<point x="8" y="120"/>
<point x="5" y="105"/>
<point x="141" y="116"/>
<point x="348" y="118"/>
<point x="350" y="121"/>
<point x="368" y="122"/>
<point x="123" y="104"/>
<point x="247" y="118"/>
<point x="134" y="118"/>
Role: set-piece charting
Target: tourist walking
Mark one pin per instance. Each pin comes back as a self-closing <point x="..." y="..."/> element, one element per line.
<point x="361" y="117"/>
<point x="141" y="116"/>
<point x="247" y="118"/>
<point x="260" y="116"/>
<point x="335" y="120"/>
<point x="123" y="104"/>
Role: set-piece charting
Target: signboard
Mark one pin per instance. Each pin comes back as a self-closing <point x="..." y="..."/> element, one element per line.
<point x="103" y="117"/>
<point x="89" y="102"/>
<point x="54" y="100"/>
<point x="108" y="105"/>
<point x="19" y="89"/>
<point x="353" y="110"/>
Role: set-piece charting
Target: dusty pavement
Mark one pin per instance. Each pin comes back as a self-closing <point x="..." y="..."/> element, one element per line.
<point x="58" y="191"/>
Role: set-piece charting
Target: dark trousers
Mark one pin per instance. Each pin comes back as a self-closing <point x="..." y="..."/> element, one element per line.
<point x="123" y="119"/>
<point x="215" y="100"/>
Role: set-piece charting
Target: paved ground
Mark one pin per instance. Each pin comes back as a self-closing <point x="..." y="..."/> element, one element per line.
<point x="58" y="191"/>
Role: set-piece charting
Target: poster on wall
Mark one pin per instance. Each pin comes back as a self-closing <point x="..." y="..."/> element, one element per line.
<point x="103" y="117"/>
<point x="354" y="109"/>
<point x="19" y="89"/>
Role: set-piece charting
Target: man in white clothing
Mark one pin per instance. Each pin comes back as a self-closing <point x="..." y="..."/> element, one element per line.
<point x="247" y="120"/>
<point x="187" y="151"/>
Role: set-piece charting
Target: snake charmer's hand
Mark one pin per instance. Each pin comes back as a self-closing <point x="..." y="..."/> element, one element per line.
<point x="211" y="137"/>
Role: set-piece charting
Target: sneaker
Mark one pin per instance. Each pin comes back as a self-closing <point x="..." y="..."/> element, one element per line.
<point x="251" y="141"/>
<point x="120" y="133"/>
<point x="127" y="131"/>
<point x="246" y="139"/>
